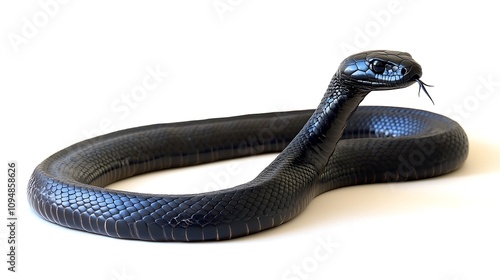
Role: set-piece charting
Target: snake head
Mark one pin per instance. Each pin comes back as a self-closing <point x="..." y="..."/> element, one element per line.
<point x="380" y="70"/>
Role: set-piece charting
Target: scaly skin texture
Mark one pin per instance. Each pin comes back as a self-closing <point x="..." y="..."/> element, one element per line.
<point x="379" y="144"/>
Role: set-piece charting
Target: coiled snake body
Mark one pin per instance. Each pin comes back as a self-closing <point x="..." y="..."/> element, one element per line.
<point x="321" y="150"/>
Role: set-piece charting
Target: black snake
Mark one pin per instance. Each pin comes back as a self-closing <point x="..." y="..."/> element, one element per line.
<point x="330" y="147"/>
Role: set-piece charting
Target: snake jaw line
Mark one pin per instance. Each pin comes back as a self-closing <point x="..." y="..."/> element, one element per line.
<point x="421" y="86"/>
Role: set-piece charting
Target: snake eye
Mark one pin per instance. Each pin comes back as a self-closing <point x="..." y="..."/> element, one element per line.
<point x="377" y="66"/>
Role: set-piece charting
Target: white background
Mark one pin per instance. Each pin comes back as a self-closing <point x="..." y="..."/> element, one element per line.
<point x="67" y="69"/>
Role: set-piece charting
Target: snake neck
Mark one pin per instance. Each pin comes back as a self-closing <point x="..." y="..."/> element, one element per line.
<point x="315" y="143"/>
<point x="323" y="130"/>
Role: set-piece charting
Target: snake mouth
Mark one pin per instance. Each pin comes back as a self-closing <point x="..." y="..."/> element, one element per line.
<point x="421" y="86"/>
